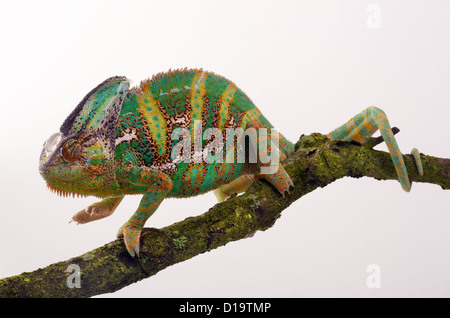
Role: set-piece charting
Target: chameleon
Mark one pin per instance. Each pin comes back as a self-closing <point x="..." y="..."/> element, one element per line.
<point x="121" y="140"/>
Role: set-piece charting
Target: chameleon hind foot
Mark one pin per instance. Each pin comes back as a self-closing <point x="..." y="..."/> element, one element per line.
<point x="274" y="173"/>
<point x="97" y="210"/>
<point x="280" y="180"/>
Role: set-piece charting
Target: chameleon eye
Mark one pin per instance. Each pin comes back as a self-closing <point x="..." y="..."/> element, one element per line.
<point x="71" y="150"/>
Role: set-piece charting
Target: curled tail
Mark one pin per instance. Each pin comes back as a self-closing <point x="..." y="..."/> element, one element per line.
<point x="364" y="125"/>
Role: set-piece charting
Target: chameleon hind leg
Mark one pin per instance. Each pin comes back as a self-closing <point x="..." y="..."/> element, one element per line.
<point x="278" y="178"/>
<point x="97" y="210"/>
<point x="157" y="185"/>
<point x="363" y="126"/>
<point x="275" y="174"/>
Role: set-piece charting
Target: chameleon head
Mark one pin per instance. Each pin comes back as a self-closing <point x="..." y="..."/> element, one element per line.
<point x="75" y="164"/>
<point x="79" y="158"/>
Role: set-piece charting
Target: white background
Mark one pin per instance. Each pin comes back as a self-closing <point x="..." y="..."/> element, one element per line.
<point x="309" y="66"/>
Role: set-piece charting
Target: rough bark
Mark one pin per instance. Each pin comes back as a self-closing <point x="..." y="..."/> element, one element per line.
<point x="315" y="163"/>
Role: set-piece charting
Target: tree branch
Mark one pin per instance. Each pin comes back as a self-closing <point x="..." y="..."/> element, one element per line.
<point x="316" y="162"/>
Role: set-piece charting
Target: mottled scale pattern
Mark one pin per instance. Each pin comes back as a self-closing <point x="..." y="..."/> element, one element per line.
<point x="121" y="140"/>
<point x="176" y="99"/>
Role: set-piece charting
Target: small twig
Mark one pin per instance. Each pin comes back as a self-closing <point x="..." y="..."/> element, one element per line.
<point x="373" y="141"/>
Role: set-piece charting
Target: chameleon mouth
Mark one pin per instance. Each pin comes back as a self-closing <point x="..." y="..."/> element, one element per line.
<point x="65" y="193"/>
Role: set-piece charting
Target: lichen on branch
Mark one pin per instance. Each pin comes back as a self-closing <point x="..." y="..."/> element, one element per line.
<point x="316" y="162"/>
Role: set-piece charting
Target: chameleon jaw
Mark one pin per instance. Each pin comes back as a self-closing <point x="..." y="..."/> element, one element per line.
<point x="65" y="193"/>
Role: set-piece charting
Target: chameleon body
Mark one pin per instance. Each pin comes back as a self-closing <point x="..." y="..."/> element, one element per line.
<point x="177" y="134"/>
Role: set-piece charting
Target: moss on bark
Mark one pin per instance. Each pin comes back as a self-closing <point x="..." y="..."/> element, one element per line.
<point x="316" y="162"/>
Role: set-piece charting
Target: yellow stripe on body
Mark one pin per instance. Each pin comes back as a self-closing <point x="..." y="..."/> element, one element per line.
<point x="225" y="101"/>
<point x="353" y="130"/>
<point x="231" y="151"/>
<point x="149" y="110"/>
<point x="366" y="122"/>
<point x="249" y="116"/>
<point x="198" y="91"/>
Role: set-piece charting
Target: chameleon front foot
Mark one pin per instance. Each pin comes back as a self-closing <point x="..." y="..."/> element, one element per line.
<point x="91" y="213"/>
<point x="131" y="237"/>
<point x="97" y="210"/>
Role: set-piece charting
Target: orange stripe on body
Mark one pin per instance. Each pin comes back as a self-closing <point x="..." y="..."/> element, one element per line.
<point x="353" y="130"/>
<point x="367" y="123"/>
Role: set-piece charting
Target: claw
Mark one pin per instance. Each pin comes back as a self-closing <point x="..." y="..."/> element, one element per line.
<point x="284" y="192"/>
<point x="291" y="183"/>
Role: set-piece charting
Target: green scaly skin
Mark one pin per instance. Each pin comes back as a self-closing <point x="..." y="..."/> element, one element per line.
<point x="121" y="141"/>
